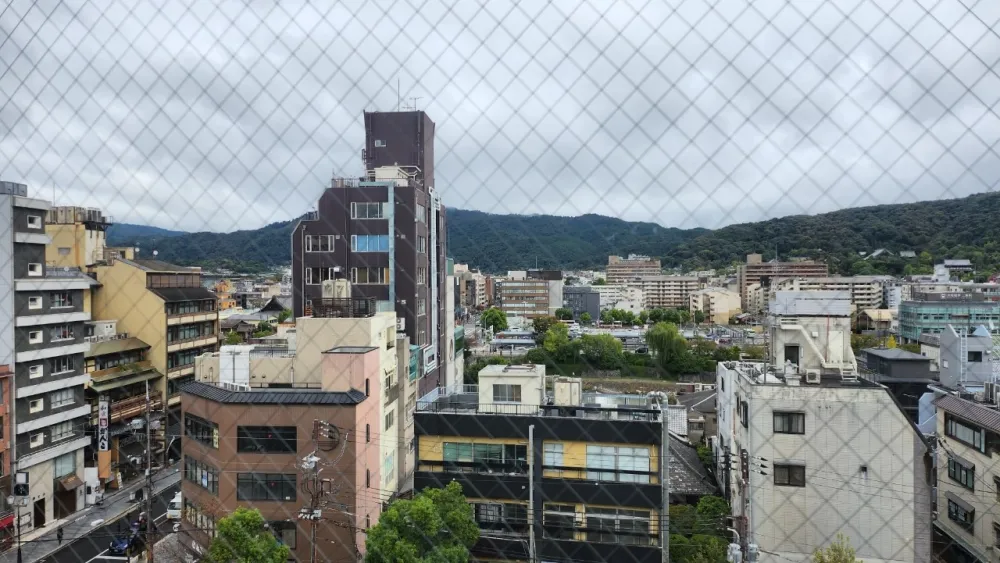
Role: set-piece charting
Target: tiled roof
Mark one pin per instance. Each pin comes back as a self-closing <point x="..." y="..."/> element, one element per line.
<point x="115" y="346"/>
<point x="895" y="354"/>
<point x="687" y="474"/>
<point x="273" y="396"/>
<point x="161" y="266"/>
<point x="175" y="294"/>
<point x="973" y="412"/>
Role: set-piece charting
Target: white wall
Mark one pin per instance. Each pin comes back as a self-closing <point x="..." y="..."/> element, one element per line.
<point x="6" y="281"/>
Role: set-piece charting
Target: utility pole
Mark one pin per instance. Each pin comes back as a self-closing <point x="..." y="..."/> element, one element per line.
<point x="531" y="494"/>
<point x="665" y="480"/>
<point x="326" y="437"/>
<point x="149" y="481"/>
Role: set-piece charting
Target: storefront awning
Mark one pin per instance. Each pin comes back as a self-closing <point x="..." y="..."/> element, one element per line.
<point x="69" y="483"/>
<point x="103" y="387"/>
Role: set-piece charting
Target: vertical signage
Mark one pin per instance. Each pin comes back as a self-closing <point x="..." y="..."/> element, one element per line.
<point x="103" y="419"/>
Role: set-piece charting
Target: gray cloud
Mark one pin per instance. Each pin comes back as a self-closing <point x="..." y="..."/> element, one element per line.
<point x="233" y="114"/>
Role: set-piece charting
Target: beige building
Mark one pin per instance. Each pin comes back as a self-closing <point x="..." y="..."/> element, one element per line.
<point x="529" y="298"/>
<point x="78" y="236"/>
<point x="635" y="266"/>
<point x="755" y="270"/>
<point x="667" y="292"/>
<point x="166" y="307"/>
<point x="718" y="304"/>
<point x="866" y="291"/>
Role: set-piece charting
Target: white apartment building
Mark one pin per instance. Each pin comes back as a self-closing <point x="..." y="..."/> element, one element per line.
<point x="815" y="450"/>
<point x="866" y="291"/>
<point x="667" y="292"/>
<point x="612" y="294"/>
<point x="718" y="304"/>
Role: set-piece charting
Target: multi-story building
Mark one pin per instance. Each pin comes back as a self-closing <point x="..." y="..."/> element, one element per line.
<point x="8" y="528"/>
<point x="931" y="313"/>
<point x="756" y="271"/>
<point x="777" y="413"/>
<point x="667" y="292"/>
<point x="245" y="446"/>
<point x="595" y="469"/>
<point x="967" y="434"/>
<point x="79" y="236"/>
<point x="164" y="306"/>
<point x="42" y="336"/>
<point x="386" y="234"/>
<point x="717" y="304"/>
<point x="612" y="294"/>
<point x="472" y="289"/>
<point x="529" y="298"/>
<point x="582" y="299"/>
<point x="866" y="291"/>
<point x="634" y="266"/>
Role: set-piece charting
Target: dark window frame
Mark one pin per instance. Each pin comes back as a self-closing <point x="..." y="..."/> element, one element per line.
<point x="200" y="430"/>
<point x="267" y="439"/>
<point x="789" y="475"/>
<point x="965" y="519"/>
<point x="192" y="469"/>
<point x="271" y="487"/>
<point x="962" y="474"/>
<point x="789" y="422"/>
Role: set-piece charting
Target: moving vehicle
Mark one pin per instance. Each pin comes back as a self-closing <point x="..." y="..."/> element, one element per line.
<point x="174" y="508"/>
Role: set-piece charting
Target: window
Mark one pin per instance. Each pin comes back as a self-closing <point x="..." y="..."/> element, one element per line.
<point x="422" y="306"/>
<point x="265" y="486"/>
<point x="370" y="243"/>
<point x="790" y="475"/>
<point x="34" y="269"/>
<point x="199" y="518"/>
<point x="468" y="456"/>
<point x="421" y="275"/>
<point x="963" y="473"/>
<point x="201" y="474"/>
<point x="184" y="358"/>
<point x="367" y="210"/>
<point x="266" y="439"/>
<point x="316" y="276"/>
<point x="389" y="419"/>
<point x="368" y="478"/>
<point x="975" y="356"/>
<point x="505" y="516"/>
<point x="553" y="455"/>
<point x="618" y="525"/>
<point x="961" y="516"/>
<point x="35" y="371"/>
<point x="368" y="433"/>
<point x="368" y="387"/>
<point x="188" y="307"/>
<point x="370" y="275"/>
<point x="61" y="299"/>
<point x="65" y="465"/>
<point x="174" y="384"/>
<point x="789" y="423"/>
<point x="36" y="440"/>
<point x="34" y="222"/>
<point x="61" y="398"/>
<point x="559" y="520"/>
<point x="387" y="465"/>
<point x="36" y="405"/>
<point x="963" y="432"/>
<point x="379" y="143"/>
<point x="319" y="243"/>
<point x="62" y="430"/>
<point x="612" y="463"/>
<point x="34" y="302"/>
<point x="61" y="365"/>
<point x="506" y="393"/>
<point x="421" y="244"/>
<point x="190" y="331"/>
<point x="35" y="337"/>
<point x="996" y="487"/>
<point x="420" y="214"/>
<point x="64" y="250"/>
<point x="284" y="532"/>
<point x="201" y="430"/>
<point x="61" y="332"/>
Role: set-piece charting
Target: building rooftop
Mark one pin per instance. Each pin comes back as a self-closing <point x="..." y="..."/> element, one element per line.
<point x="878" y="315"/>
<point x="105" y="347"/>
<point x="344" y="307"/>
<point x="756" y="374"/>
<point x="688" y="475"/>
<point x="896" y="354"/>
<point x="272" y="396"/>
<point x="161" y="266"/>
<point x="604" y="406"/>
<point x="811" y="303"/>
<point x="177" y="294"/>
<point x="699" y="401"/>
<point x="351" y="350"/>
<point x="525" y="370"/>
<point x="973" y="412"/>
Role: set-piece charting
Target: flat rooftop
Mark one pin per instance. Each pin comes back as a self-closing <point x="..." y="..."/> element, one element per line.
<point x="604" y="406"/>
<point x="760" y="373"/>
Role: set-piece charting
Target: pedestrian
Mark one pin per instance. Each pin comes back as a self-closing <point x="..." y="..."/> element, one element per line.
<point x="59" y="535"/>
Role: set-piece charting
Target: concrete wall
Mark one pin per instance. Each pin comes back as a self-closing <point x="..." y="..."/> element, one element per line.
<point x="7" y="307"/>
<point x="950" y="361"/>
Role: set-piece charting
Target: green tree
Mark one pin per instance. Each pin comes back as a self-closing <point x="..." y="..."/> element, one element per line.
<point x="542" y="325"/>
<point x="643" y="317"/>
<point x="556" y="338"/>
<point x="243" y="537"/>
<point x="436" y="526"/>
<point x="585" y="318"/>
<point x="284" y="315"/>
<point x="600" y="281"/>
<point x="753" y="352"/>
<point x="233" y="338"/>
<point x="564" y="314"/>
<point x="712" y="512"/>
<point x="606" y="317"/>
<point x="911" y="347"/>
<point x="602" y="351"/>
<point x="494" y="319"/>
<point x="840" y="551"/>
<point x="861" y="341"/>
<point x="891" y="342"/>
<point x="668" y="345"/>
<point x="699" y="317"/>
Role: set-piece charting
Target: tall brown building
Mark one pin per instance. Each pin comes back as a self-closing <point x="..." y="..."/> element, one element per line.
<point x="758" y="271"/>
<point x="635" y="266"/>
<point x="387" y="234"/>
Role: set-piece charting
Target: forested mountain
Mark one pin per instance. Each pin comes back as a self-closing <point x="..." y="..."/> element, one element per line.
<point x="957" y="228"/>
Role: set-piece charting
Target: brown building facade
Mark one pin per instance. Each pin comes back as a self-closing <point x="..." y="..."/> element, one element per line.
<point x="245" y="449"/>
<point x="758" y="271"/>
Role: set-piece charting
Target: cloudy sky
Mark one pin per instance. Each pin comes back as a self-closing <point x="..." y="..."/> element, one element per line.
<point x="203" y="115"/>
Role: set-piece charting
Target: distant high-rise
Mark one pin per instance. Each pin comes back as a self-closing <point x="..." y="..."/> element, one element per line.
<point x="386" y="234"/>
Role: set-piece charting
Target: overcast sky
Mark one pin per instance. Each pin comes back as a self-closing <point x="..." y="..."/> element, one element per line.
<point x="699" y="113"/>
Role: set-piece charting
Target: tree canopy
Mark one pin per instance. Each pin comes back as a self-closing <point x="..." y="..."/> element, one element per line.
<point x="436" y="526"/>
<point x="840" y="551"/>
<point x="494" y="319"/>
<point x="243" y="537"/>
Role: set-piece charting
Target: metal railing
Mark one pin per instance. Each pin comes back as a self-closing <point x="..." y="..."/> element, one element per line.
<point x="344" y="307"/>
<point x="120" y="371"/>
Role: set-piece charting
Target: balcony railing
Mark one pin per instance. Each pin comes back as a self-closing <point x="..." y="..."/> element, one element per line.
<point x="120" y="371"/>
<point x="391" y="394"/>
<point x="131" y="407"/>
<point x="344" y="307"/>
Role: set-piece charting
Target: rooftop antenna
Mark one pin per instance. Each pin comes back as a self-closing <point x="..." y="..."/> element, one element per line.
<point x="397" y="94"/>
<point x="415" y="98"/>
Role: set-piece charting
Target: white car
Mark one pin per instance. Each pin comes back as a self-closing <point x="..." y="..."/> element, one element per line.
<point x="174" y="508"/>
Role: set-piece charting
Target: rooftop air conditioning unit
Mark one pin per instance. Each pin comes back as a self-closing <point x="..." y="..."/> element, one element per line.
<point x="812" y="377"/>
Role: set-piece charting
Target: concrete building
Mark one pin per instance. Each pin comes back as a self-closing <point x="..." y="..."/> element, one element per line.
<point x="529" y="298"/>
<point x="582" y="299"/>
<point x="782" y="410"/>
<point x="622" y="270"/>
<point x="244" y="446"/>
<point x="866" y="291"/>
<point x="892" y="295"/>
<point x="386" y="234"/>
<point x="472" y="289"/>
<point x="717" y="304"/>
<point x="667" y="292"/>
<point x="595" y="468"/>
<point x="42" y="321"/>
<point x="620" y="296"/>
<point x="952" y="270"/>
<point x="164" y="306"/>
<point x="965" y="357"/>
<point x="756" y="271"/>
<point x="906" y="375"/>
<point x="79" y="236"/>
<point x="931" y="313"/>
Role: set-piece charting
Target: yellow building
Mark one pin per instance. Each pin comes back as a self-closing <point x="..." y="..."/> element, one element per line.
<point x="78" y="236"/>
<point x="717" y="304"/>
<point x="164" y="306"/>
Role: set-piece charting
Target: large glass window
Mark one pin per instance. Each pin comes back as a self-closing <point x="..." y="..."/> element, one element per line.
<point x="559" y="521"/>
<point x="790" y="475"/>
<point x="201" y="474"/>
<point x="62" y="430"/>
<point x="61" y="398"/>
<point x="618" y="525"/>
<point x="370" y="243"/>
<point x="461" y="456"/>
<point x="962" y="473"/>
<point x="65" y="465"/>
<point x="62" y="364"/>
<point x="506" y="393"/>
<point x="190" y="307"/>
<point x="201" y="430"/>
<point x="265" y="486"/>
<point x="613" y="463"/>
<point x="316" y="276"/>
<point x="266" y="439"/>
<point x="501" y="516"/>
<point x="61" y="332"/>
<point x="789" y="423"/>
<point x="60" y="299"/>
<point x="367" y="210"/>
<point x="958" y="514"/>
<point x="319" y="243"/>
<point x="190" y="331"/>
<point x="964" y="432"/>
<point x="184" y="358"/>
<point x="370" y="275"/>
<point x="284" y="532"/>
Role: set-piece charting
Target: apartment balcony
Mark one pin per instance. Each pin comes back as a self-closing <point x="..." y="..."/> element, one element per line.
<point x="344" y="307"/>
<point x="126" y="370"/>
<point x="130" y="408"/>
<point x="196" y="317"/>
<point x="392" y="394"/>
<point x="196" y="342"/>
